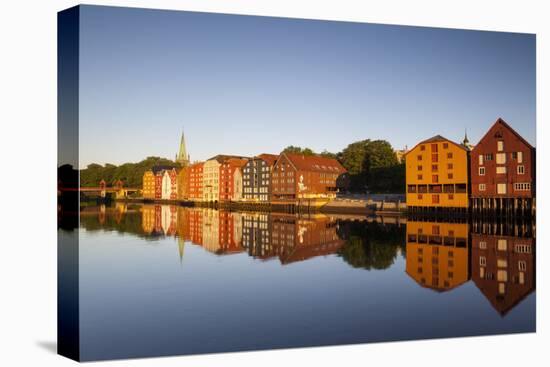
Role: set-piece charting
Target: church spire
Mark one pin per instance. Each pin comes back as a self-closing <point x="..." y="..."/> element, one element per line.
<point x="466" y="142"/>
<point x="182" y="156"/>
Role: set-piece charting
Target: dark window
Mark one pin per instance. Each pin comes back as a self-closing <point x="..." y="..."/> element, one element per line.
<point x="460" y="188"/>
<point x="435" y="188"/>
<point x="423" y="189"/>
<point x="411" y="188"/>
<point x="449" y="189"/>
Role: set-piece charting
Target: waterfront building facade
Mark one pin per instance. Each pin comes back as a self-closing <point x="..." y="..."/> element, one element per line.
<point x="195" y="180"/>
<point x="183" y="183"/>
<point x="230" y="179"/>
<point x="297" y="176"/>
<point x="211" y="180"/>
<point x="503" y="165"/>
<point x="148" y="188"/>
<point x="257" y="178"/>
<point x="437" y="174"/>
<point x="169" y="184"/>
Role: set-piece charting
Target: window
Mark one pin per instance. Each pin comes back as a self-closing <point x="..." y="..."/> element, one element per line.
<point x="520" y="157"/>
<point x="435" y="178"/>
<point x="419" y="177"/>
<point x="449" y="155"/>
<point x="411" y="188"/>
<point x="501" y="188"/>
<point x="500" y="146"/>
<point x="434" y="167"/>
<point x="419" y="168"/>
<point x="419" y="157"/>
<point x="449" y="188"/>
<point x="522" y="186"/>
<point x="522" y="265"/>
<point x="435" y="199"/>
<point x="502" y="275"/>
<point x="451" y="196"/>
<point x="422" y="147"/>
<point x="435" y="157"/>
<point x="501" y="158"/>
<point x="502" y="244"/>
<point x="482" y="187"/>
<point x="445" y="145"/>
<point x="482" y="245"/>
<point x="501" y="170"/>
<point x="449" y="166"/>
<point x="482" y="261"/>
<point x="434" y="148"/>
<point x="480" y="159"/>
<point x="521" y="170"/>
<point x="450" y="176"/>
<point x="522" y="249"/>
<point x="489" y="157"/>
<point x="482" y="171"/>
<point x="502" y="263"/>
<point x="420" y="196"/>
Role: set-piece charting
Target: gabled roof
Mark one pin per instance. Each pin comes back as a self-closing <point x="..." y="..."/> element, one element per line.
<point x="503" y="123"/>
<point x="237" y="162"/>
<point x="314" y="163"/>
<point x="434" y="139"/>
<point x="268" y="158"/>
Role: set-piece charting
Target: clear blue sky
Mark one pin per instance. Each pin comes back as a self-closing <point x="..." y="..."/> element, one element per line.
<point x="247" y="85"/>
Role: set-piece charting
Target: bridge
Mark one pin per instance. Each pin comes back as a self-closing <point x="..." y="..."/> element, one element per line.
<point x="118" y="189"/>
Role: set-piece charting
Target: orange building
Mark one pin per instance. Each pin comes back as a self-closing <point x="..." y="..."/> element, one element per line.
<point x="183" y="183"/>
<point x="196" y="181"/>
<point x="437" y="174"/>
<point x="437" y="254"/>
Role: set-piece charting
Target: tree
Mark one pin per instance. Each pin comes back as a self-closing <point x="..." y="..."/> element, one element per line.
<point x="130" y="173"/>
<point x="298" y="150"/>
<point x="365" y="161"/>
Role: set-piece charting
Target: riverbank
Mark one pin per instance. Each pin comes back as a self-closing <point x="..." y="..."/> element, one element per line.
<point x="339" y="206"/>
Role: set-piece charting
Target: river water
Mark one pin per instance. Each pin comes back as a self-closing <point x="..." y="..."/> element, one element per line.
<point x="162" y="280"/>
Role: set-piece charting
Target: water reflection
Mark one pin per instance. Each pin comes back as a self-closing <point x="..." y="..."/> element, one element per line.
<point x="437" y="254"/>
<point x="499" y="258"/>
<point x="503" y="266"/>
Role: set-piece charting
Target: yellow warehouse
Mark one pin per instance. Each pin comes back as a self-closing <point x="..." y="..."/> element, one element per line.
<point x="437" y="174"/>
<point x="149" y="185"/>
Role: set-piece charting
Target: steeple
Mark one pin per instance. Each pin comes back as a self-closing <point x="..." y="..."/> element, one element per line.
<point x="182" y="157"/>
<point x="466" y="142"/>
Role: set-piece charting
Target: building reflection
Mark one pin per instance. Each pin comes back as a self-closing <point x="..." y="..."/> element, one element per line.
<point x="499" y="257"/>
<point x="503" y="263"/>
<point x="437" y="254"/>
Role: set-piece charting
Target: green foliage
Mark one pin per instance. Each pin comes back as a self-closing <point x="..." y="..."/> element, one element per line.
<point x="372" y="165"/>
<point x="371" y="246"/>
<point x="130" y="173"/>
<point x="298" y="150"/>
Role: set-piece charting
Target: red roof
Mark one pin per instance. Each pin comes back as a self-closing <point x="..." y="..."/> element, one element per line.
<point x="268" y="158"/>
<point x="500" y="121"/>
<point x="236" y="162"/>
<point x="314" y="163"/>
